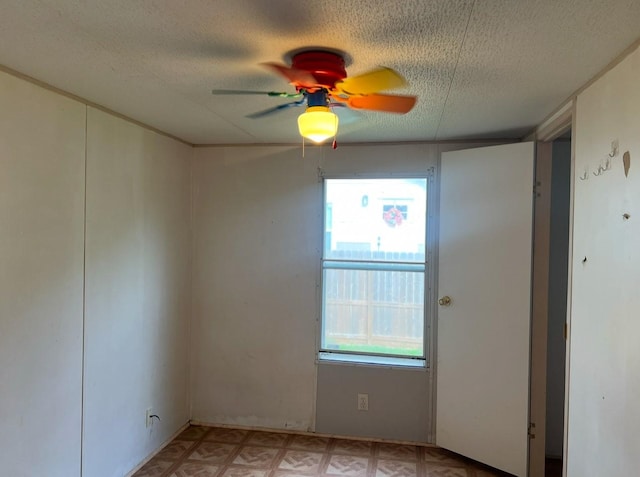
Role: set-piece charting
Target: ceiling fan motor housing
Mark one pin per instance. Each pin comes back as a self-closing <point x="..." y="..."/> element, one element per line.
<point x="318" y="98"/>
<point x="326" y="67"/>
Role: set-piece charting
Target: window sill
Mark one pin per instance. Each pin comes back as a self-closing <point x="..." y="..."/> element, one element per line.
<point x="377" y="361"/>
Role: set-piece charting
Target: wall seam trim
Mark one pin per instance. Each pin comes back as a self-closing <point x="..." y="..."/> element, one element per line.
<point x="84" y="287"/>
<point x="192" y="248"/>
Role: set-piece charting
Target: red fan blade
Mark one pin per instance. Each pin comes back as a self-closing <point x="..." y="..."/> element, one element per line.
<point x="294" y="76"/>
<point x="383" y="102"/>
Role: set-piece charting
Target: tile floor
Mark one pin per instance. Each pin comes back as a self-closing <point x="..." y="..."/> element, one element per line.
<point x="223" y="452"/>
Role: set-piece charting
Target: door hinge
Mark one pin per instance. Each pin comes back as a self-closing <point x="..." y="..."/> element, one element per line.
<point x="532" y="430"/>
<point x="537" y="187"/>
<point x="565" y="331"/>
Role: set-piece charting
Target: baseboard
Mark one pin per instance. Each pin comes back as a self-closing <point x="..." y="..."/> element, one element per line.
<point x="155" y="452"/>
<point x="307" y="433"/>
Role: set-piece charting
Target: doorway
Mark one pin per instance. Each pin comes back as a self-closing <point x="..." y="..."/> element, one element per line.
<point x="557" y="302"/>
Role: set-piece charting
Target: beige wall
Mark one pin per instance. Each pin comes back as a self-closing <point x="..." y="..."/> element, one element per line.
<point x="257" y="236"/>
<point x="42" y="143"/>
<point x="257" y="249"/>
<point x="604" y="358"/>
<point x="135" y="292"/>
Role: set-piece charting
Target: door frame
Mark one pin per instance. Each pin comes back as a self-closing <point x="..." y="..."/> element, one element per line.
<point x="550" y="130"/>
<point x="539" y="309"/>
<point x="556" y="125"/>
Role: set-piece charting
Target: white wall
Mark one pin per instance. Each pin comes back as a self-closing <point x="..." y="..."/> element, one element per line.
<point x="41" y="257"/>
<point x="137" y="292"/>
<point x="604" y="385"/>
<point x="135" y="325"/>
<point x="257" y="249"/>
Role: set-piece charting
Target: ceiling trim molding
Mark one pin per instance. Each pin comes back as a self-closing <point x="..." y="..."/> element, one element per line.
<point x="499" y="140"/>
<point x="86" y="102"/>
<point x="558" y="124"/>
<point x="567" y="104"/>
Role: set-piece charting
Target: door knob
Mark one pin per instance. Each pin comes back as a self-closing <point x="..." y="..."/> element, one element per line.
<point x="445" y="301"/>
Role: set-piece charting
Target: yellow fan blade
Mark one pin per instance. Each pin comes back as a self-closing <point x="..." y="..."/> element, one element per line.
<point x="376" y="80"/>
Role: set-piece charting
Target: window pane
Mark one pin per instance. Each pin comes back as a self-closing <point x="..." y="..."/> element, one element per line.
<point x="375" y="219"/>
<point x="378" y="312"/>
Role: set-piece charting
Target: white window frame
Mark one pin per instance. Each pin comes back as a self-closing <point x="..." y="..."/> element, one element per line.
<point x="428" y="268"/>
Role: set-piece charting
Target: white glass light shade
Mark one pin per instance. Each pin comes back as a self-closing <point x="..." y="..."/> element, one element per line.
<point x="318" y="123"/>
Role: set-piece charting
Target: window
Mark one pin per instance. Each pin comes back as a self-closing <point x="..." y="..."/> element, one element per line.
<point x="373" y="269"/>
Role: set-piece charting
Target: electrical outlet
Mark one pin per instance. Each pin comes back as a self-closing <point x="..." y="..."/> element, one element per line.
<point x="363" y="402"/>
<point x="149" y="420"/>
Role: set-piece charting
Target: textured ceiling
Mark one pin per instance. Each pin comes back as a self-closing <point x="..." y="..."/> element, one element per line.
<point x="483" y="68"/>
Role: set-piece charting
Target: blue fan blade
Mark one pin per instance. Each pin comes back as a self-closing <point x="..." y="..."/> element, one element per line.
<point x="275" y="109"/>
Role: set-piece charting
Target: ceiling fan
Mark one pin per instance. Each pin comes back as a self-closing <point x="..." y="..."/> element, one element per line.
<point x="321" y="83"/>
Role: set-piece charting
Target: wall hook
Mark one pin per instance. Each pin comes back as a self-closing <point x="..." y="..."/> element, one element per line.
<point x="585" y="175"/>
<point x="600" y="171"/>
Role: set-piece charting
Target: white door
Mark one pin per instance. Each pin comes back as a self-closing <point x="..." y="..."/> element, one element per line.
<point x="484" y="266"/>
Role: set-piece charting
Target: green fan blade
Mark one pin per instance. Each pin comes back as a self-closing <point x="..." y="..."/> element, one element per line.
<point x="262" y="93"/>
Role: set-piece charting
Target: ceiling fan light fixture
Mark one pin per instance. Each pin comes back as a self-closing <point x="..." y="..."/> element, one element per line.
<point x="318" y="123"/>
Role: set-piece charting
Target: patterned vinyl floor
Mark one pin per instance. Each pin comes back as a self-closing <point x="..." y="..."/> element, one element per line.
<point x="222" y="452"/>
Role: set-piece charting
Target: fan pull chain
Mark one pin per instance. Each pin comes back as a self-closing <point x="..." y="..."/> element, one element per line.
<point x="334" y="144"/>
